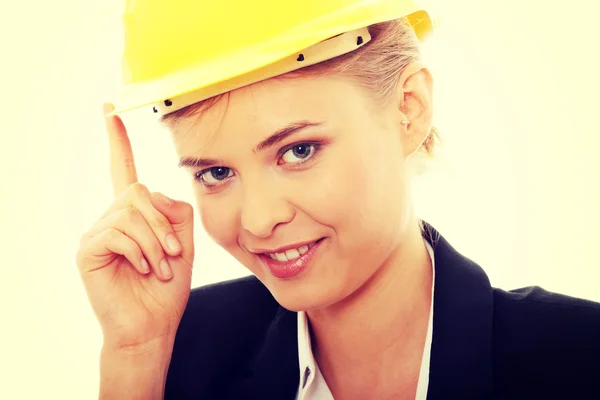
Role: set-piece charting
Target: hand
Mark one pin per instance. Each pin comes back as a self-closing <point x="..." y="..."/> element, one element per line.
<point x="136" y="261"/>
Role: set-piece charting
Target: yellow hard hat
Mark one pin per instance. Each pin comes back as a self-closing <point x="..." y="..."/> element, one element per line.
<point x="179" y="52"/>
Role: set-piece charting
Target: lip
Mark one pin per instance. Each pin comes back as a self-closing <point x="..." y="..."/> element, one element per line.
<point x="289" y="269"/>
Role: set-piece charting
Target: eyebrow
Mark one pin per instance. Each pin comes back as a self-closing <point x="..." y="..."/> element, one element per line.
<point x="284" y="133"/>
<point x="277" y="137"/>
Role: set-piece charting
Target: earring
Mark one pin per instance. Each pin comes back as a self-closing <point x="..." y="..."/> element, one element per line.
<point x="405" y="122"/>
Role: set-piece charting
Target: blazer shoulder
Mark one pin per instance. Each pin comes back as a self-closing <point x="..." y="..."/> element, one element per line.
<point x="220" y="331"/>
<point x="535" y="310"/>
<point x="546" y="341"/>
<point x="542" y="297"/>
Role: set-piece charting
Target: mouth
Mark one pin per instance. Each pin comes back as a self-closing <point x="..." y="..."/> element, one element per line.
<point x="291" y="253"/>
<point x="288" y="262"/>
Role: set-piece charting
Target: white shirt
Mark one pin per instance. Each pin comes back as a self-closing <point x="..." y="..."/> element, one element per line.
<point x="316" y="388"/>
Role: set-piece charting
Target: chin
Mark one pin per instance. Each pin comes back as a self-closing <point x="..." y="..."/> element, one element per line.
<point x="301" y="296"/>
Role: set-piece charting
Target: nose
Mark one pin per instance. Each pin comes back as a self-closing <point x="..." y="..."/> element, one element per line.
<point x="263" y="209"/>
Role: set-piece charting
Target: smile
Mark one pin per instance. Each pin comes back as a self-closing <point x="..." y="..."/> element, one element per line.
<point x="291" y="254"/>
<point x="288" y="262"/>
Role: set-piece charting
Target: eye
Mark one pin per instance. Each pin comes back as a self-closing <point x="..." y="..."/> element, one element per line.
<point x="213" y="176"/>
<point x="298" y="153"/>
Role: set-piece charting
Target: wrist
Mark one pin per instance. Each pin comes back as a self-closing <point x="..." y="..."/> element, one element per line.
<point x="158" y="347"/>
<point x="139" y="371"/>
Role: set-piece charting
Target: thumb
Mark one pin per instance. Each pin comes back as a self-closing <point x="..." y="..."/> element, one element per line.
<point x="181" y="217"/>
<point x="177" y="212"/>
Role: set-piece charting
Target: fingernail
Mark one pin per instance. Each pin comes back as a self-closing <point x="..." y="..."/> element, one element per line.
<point x="172" y="243"/>
<point x="145" y="266"/>
<point x="107" y="107"/>
<point x="165" y="270"/>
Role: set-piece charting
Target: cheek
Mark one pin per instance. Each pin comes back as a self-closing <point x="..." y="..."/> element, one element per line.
<point x="361" y="194"/>
<point x="327" y="193"/>
<point x="218" y="220"/>
<point x="360" y="180"/>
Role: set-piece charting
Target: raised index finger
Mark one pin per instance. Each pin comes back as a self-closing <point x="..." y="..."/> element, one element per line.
<point x="122" y="165"/>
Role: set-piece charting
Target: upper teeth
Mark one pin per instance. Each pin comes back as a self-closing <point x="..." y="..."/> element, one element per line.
<point x="290" y="254"/>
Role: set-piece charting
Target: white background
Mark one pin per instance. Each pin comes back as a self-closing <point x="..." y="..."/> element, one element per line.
<point x="516" y="99"/>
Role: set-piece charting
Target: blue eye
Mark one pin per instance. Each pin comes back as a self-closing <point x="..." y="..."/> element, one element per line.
<point x="215" y="175"/>
<point x="299" y="153"/>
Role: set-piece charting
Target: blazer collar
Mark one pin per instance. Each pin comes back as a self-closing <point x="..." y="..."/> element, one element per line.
<point x="461" y="353"/>
<point x="461" y="349"/>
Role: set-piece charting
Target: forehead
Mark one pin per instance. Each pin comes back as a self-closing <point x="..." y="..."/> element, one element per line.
<point x="266" y="106"/>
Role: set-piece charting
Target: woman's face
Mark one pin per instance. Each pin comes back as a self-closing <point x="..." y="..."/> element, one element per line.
<point x="334" y="173"/>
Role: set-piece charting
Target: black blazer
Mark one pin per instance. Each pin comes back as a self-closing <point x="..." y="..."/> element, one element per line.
<point x="236" y="342"/>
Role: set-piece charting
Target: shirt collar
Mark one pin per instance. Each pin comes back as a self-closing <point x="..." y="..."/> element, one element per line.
<point x="306" y="358"/>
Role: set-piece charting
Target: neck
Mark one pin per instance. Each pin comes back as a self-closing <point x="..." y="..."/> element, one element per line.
<point x="378" y="333"/>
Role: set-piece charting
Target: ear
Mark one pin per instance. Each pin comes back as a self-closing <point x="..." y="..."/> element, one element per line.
<point x="415" y="89"/>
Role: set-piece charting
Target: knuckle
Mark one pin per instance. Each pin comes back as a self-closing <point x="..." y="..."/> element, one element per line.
<point x="129" y="162"/>
<point x="138" y="190"/>
<point x="187" y="209"/>
<point x="131" y="248"/>
<point x="158" y="222"/>
<point x="111" y="234"/>
<point x="162" y="198"/>
<point x="83" y="239"/>
<point x="130" y="215"/>
<point x="83" y="259"/>
<point x="80" y="258"/>
<point x="156" y="251"/>
<point x="84" y="243"/>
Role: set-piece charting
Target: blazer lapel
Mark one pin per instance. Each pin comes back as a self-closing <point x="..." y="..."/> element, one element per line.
<point x="461" y="352"/>
<point x="275" y="372"/>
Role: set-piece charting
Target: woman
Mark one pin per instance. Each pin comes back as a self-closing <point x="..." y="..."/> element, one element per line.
<point x="301" y="126"/>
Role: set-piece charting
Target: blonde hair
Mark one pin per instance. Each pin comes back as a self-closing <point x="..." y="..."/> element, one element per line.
<point x="376" y="66"/>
